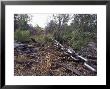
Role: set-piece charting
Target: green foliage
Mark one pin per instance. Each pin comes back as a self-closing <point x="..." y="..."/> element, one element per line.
<point x="76" y="38"/>
<point x="21" y="21"/>
<point x="86" y="22"/>
<point x="38" y="38"/>
<point x="79" y="39"/>
<point x="58" y="35"/>
<point x="77" y="42"/>
<point x="73" y="30"/>
<point x="21" y="35"/>
<point x="43" y="38"/>
<point x="48" y="38"/>
<point x="81" y="30"/>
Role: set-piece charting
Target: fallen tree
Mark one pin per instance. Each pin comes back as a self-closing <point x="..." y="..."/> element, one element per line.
<point x="74" y="55"/>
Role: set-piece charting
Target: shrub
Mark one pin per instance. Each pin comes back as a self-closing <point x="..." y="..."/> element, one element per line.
<point x="80" y="39"/>
<point x="58" y="35"/>
<point x="43" y="38"/>
<point x="75" y="38"/>
<point x="21" y="35"/>
<point x="48" y="38"/>
<point x="38" y="38"/>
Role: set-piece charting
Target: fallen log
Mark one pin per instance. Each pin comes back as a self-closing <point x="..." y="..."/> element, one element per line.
<point x="74" y="55"/>
<point x="18" y="44"/>
<point x="89" y="67"/>
<point x="82" y="58"/>
<point x="71" y="52"/>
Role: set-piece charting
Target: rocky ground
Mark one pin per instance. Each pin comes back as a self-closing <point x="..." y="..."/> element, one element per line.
<point x="36" y="59"/>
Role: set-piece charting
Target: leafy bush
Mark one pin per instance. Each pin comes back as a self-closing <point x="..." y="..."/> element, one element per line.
<point x="58" y="35"/>
<point x="38" y="38"/>
<point x="79" y="39"/>
<point x="75" y="38"/>
<point x="48" y="38"/>
<point x="21" y="35"/>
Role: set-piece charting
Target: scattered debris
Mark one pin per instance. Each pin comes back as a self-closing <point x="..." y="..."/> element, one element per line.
<point x="33" y="59"/>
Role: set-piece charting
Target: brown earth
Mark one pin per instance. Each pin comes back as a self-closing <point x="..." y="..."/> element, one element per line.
<point x="34" y="59"/>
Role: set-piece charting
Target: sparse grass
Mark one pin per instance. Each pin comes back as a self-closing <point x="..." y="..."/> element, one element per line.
<point x="43" y="38"/>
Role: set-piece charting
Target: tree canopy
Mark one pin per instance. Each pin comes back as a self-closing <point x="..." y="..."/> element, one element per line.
<point x="21" y="21"/>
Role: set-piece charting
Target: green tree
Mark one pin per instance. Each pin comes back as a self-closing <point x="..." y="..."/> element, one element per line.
<point x="21" y="21"/>
<point x="84" y="29"/>
<point x="86" y="22"/>
<point x="61" y="20"/>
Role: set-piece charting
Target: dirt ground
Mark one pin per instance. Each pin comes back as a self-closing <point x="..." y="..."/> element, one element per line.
<point x="35" y="59"/>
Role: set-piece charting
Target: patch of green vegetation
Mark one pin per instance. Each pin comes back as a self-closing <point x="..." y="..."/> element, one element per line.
<point x="80" y="39"/>
<point x="21" y="35"/>
<point x="76" y="38"/>
<point x="38" y="38"/>
<point x="48" y="38"/>
<point x="43" y="38"/>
